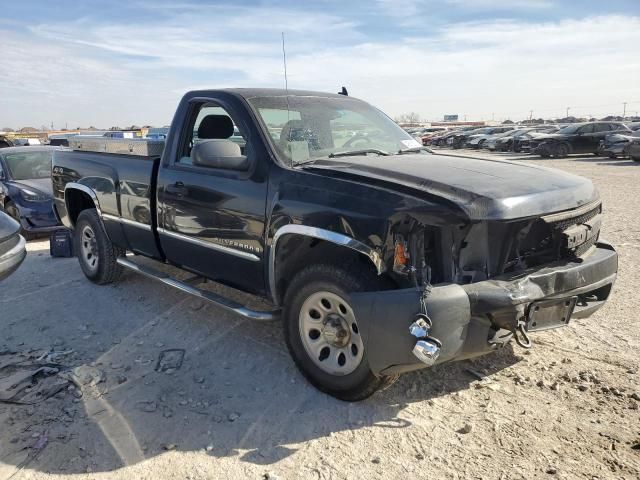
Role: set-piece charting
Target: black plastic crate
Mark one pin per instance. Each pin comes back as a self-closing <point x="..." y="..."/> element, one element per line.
<point x="61" y="243"/>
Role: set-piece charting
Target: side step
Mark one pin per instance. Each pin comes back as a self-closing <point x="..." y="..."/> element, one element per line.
<point x="197" y="292"/>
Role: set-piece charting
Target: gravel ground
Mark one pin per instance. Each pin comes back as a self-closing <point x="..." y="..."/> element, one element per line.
<point x="238" y="408"/>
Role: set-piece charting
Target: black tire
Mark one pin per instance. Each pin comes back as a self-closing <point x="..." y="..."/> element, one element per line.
<point x="562" y="150"/>
<point x="105" y="269"/>
<point x="11" y="210"/>
<point x="635" y="159"/>
<point x="361" y="382"/>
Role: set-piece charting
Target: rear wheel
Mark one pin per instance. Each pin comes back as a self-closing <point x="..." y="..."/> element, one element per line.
<point x="322" y="332"/>
<point x="96" y="254"/>
<point x="635" y="158"/>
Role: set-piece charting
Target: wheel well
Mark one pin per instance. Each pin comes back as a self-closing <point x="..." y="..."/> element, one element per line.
<point x="77" y="201"/>
<point x="295" y="252"/>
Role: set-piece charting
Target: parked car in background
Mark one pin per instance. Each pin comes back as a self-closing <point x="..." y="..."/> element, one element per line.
<point x="464" y="139"/>
<point x="26" y="194"/>
<point x="492" y="141"/>
<point x="575" y="138"/>
<point x="430" y="133"/>
<point x="26" y="142"/>
<point x="633" y="149"/>
<point x="446" y="139"/>
<point x="516" y="139"/>
<point x="501" y="142"/>
<point x="617" y="144"/>
<point x="5" y="142"/>
<point x="61" y="140"/>
<point x="522" y="142"/>
<point x="12" y="246"/>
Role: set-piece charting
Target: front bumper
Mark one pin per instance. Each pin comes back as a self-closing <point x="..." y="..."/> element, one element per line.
<point x="614" y="149"/>
<point x="467" y="319"/>
<point x="37" y="218"/>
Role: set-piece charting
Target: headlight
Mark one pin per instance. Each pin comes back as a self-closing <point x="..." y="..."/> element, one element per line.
<point x="33" y="196"/>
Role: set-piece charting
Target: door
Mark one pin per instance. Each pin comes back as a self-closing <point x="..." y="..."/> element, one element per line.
<point x="211" y="217"/>
<point x="600" y="131"/>
<point x="584" y="140"/>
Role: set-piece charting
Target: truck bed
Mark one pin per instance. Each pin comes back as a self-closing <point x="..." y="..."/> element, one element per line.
<point x="123" y="186"/>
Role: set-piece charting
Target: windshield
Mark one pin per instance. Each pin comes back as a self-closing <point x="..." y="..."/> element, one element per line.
<point x="570" y="129"/>
<point x="306" y="128"/>
<point x="28" y="165"/>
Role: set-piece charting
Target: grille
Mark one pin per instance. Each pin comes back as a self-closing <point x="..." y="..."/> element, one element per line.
<point x="545" y="240"/>
<point x="582" y="249"/>
<point x="559" y="222"/>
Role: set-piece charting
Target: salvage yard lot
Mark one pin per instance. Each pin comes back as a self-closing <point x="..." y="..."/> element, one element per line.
<point x="238" y="408"/>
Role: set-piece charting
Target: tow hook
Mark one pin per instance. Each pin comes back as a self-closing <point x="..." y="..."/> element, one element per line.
<point x="426" y="349"/>
<point x="522" y="337"/>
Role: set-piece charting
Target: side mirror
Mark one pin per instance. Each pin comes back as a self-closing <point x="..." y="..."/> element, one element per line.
<point x="216" y="153"/>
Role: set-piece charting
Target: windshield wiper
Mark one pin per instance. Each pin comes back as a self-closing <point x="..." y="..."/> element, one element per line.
<point x="364" y="151"/>
<point x="415" y="150"/>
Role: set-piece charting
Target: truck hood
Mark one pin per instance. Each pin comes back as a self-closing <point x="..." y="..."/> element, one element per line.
<point x="483" y="189"/>
<point x="40" y="184"/>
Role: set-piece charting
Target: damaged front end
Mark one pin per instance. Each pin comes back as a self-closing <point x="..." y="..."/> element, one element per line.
<point x="472" y="288"/>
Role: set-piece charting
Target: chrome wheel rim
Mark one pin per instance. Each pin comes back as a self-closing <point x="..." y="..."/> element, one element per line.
<point x="89" y="248"/>
<point x="330" y="333"/>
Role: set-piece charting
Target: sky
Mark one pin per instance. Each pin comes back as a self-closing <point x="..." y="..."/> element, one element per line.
<point x="81" y="63"/>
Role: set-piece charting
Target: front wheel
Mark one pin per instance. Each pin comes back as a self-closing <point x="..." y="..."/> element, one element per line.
<point x="562" y="150"/>
<point x="96" y="254"/>
<point x="323" y="335"/>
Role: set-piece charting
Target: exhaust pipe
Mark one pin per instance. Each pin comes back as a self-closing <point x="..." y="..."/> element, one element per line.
<point x="426" y="349"/>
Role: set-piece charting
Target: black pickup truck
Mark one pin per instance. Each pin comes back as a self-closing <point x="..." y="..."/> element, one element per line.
<point x="379" y="256"/>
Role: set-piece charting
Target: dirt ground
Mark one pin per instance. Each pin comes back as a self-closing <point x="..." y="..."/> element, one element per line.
<point x="237" y="407"/>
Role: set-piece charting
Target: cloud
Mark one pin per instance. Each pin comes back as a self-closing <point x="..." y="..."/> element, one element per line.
<point x="106" y="72"/>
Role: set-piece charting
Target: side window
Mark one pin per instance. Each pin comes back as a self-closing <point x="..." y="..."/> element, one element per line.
<point x="587" y="128"/>
<point x="213" y="134"/>
<point x="602" y="127"/>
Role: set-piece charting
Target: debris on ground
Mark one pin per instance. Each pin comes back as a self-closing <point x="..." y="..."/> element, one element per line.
<point x="170" y="359"/>
<point x="467" y="427"/>
<point x="87" y="376"/>
<point x="26" y="380"/>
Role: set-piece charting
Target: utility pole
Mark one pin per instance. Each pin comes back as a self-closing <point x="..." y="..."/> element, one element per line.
<point x="567" y="112"/>
<point x="530" y="115"/>
<point x="624" y="110"/>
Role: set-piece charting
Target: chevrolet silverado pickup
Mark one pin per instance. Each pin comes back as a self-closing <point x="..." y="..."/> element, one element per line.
<point x="378" y="256"/>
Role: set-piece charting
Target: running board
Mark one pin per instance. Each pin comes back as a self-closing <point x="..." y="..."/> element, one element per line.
<point x="219" y="300"/>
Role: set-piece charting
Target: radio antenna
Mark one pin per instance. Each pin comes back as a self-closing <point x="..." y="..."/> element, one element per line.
<point x="284" y="61"/>
<point x="286" y="88"/>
